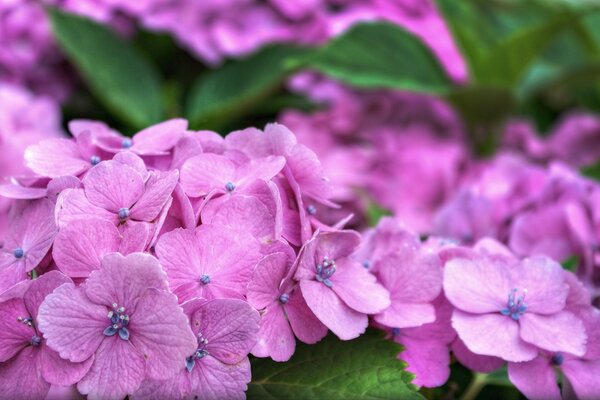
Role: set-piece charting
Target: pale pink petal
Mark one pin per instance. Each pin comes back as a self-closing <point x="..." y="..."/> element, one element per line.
<point x="58" y="371"/>
<point x="40" y="288"/>
<point x="124" y="279"/>
<point x="134" y="237"/>
<point x="18" y="192"/>
<point x="406" y="315"/>
<point x="160" y="137"/>
<point x="177" y="387"/>
<point x="583" y="377"/>
<point x="345" y="322"/>
<point x="559" y="332"/>
<point x="72" y="204"/>
<point x="263" y="168"/>
<point x="492" y="335"/>
<point x="536" y="379"/>
<point x="57" y="185"/>
<point x="214" y="380"/>
<point x="159" y="187"/>
<point x="81" y="244"/>
<point x="358" y="288"/>
<point x="112" y="186"/>
<point x="475" y="362"/>
<point x="134" y="161"/>
<point x="275" y="337"/>
<point x="305" y="324"/>
<point x="429" y="360"/>
<point x="263" y="288"/>
<point x="14" y="335"/>
<point x="476" y="286"/>
<point x="545" y="283"/>
<point x="160" y="331"/>
<point x="336" y="245"/>
<point x="71" y="324"/>
<point x="203" y="173"/>
<point x="56" y="157"/>
<point x="21" y="377"/>
<point x="229" y="325"/>
<point x="118" y="370"/>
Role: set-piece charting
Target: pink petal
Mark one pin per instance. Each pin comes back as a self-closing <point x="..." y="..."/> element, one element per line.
<point x="160" y="137"/>
<point x="20" y="377"/>
<point x="535" y="379"/>
<point x="406" y="315"/>
<point x="40" y="288"/>
<point x="263" y="288"/>
<point x="559" y="332"/>
<point x="14" y="191"/>
<point x="71" y="324"/>
<point x="72" y="205"/>
<point x="229" y="325"/>
<point x="336" y="245"/>
<point x="305" y="324"/>
<point x="275" y="337"/>
<point x="159" y="187"/>
<point x="56" y="157"/>
<point x="81" y="244"/>
<point x="134" y="161"/>
<point x="429" y="360"/>
<point x="545" y="283"/>
<point x="58" y="371"/>
<point x="583" y="377"/>
<point x="475" y="362"/>
<point x="118" y="370"/>
<point x="477" y="286"/>
<point x="124" y="279"/>
<point x="161" y="332"/>
<point x="214" y="380"/>
<point x="134" y="237"/>
<point x="14" y="335"/>
<point x="201" y="174"/>
<point x="492" y="335"/>
<point x="112" y="186"/>
<point x="263" y="168"/>
<point x="345" y="322"/>
<point x="358" y="288"/>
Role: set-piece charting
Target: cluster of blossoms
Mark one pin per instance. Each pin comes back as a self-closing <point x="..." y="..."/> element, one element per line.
<point x="212" y="31"/>
<point x="152" y="266"/>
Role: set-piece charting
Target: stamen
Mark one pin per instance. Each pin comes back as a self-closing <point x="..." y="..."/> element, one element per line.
<point x="205" y="279"/>
<point x="325" y="270"/>
<point x="95" y="160"/>
<point x="558" y="359"/>
<point x="366" y="264"/>
<point x="118" y="322"/>
<point x="19" y="253"/>
<point x="229" y="186"/>
<point x="395" y="331"/>
<point x="126" y="143"/>
<point x="35" y="340"/>
<point x="123" y="214"/>
<point x="284" y="298"/>
<point x="515" y="306"/>
<point x="311" y="209"/>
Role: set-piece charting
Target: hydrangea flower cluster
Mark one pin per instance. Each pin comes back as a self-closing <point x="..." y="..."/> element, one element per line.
<point x="152" y="266"/>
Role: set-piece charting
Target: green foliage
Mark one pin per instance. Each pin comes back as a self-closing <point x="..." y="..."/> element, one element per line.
<point x="571" y="263"/>
<point x="239" y="86"/>
<point x="364" y="368"/>
<point x="380" y="55"/>
<point x="117" y="73"/>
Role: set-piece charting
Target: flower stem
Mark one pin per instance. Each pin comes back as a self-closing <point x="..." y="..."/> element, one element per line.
<point x="477" y="383"/>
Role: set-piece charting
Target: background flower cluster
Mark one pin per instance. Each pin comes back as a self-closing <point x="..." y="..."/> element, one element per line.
<point x="194" y="194"/>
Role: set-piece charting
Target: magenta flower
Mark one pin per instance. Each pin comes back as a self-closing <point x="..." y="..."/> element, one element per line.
<point x="27" y="365"/>
<point x="284" y="312"/>
<point x="208" y="172"/>
<point x="208" y="262"/>
<point x="337" y="289"/>
<point x="124" y="319"/>
<point x="512" y="309"/>
<point x="80" y="246"/>
<point x="218" y="368"/>
<point x="32" y="230"/>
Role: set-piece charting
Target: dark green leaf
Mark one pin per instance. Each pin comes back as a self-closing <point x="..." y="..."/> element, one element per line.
<point x="592" y="171"/>
<point x="375" y="212"/>
<point x="571" y="263"/>
<point x="381" y="55"/>
<point x="364" y="368"/>
<point x="236" y="88"/>
<point x="115" y="72"/>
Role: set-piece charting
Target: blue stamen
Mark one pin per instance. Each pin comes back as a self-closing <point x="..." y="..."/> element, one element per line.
<point x="324" y="271"/>
<point x="35" y="340"/>
<point x="124" y="213"/>
<point x="515" y="306"/>
<point x="126" y="143"/>
<point x="284" y="298"/>
<point x="95" y="160"/>
<point x="558" y="359"/>
<point x="205" y="279"/>
<point x="311" y="209"/>
<point x="200" y="353"/>
<point x="229" y="186"/>
<point x="366" y="264"/>
<point x="124" y="333"/>
<point x="395" y="331"/>
<point x="19" y="253"/>
<point x="118" y="322"/>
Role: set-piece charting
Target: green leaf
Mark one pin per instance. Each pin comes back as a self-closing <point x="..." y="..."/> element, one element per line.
<point x="380" y="55"/>
<point x="375" y="212"/>
<point x="116" y="73"/>
<point x="236" y="88"/>
<point x="592" y="171"/>
<point x="364" y="368"/>
<point x="571" y="263"/>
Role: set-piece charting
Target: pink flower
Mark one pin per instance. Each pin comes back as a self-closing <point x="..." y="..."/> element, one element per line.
<point x="208" y="262"/>
<point x="124" y="319"/>
<point x="27" y="365"/>
<point x="218" y="368"/>
<point x="284" y="312"/>
<point x="511" y="309"/>
<point x="337" y="289"/>
<point x="31" y="233"/>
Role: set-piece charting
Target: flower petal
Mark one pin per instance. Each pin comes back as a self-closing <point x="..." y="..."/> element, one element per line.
<point x="59" y="371"/>
<point x="358" y="288"/>
<point x="305" y="324"/>
<point x="21" y="378"/>
<point x="14" y="335"/>
<point x="559" y="332"/>
<point x="214" y="380"/>
<point x="112" y="186"/>
<point x="275" y="337"/>
<point x="535" y="379"/>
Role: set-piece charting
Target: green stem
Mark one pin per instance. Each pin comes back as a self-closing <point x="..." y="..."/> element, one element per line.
<point x="477" y="383"/>
<point x="34" y="274"/>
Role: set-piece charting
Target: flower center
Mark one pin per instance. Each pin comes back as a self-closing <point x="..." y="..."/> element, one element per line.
<point x="325" y="270"/>
<point x="25" y="320"/>
<point x="284" y="298"/>
<point x="19" y="253"/>
<point x="395" y="331"/>
<point x="118" y="322"/>
<point x="515" y="306"/>
<point x="200" y="353"/>
<point x="558" y="359"/>
<point x="95" y="160"/>
<point x="124" y="214"/>
<point x="366" y="264"/>
<point x="126" y="143"/>
<point x="311" y="209"/>
<point x="205" y="279"/>
<point x="35" y="340"/>
<point x="229" y="186"/>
